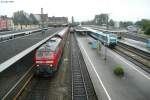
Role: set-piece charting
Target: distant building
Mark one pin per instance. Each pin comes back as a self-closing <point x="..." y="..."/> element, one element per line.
<point x="57" y="21"/>
<point x="51" y="21"/>
<point x="117" y="24"/>
<point x="42" y="17"/>
<point x="72" y="19"/>
<point x="10" y="24"/>
<point x="6" y="23"/>
<point x="39" y="17"/>
<point x="133" y="28"/>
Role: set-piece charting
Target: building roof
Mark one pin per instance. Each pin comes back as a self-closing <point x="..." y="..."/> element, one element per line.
<point x="58" y="19"/>
<point x="39" y="17"/>
<point x="50" y="45"/>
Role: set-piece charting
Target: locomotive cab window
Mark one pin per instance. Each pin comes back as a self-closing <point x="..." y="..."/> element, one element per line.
<point x="39" y="54"/>
<point x="47" y="54"/>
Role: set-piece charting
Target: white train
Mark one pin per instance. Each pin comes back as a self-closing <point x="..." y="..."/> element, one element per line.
<point x="107" y="38"/>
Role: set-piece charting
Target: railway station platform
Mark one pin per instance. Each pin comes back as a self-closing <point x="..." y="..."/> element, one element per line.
<point x="135" y="85"/>
<point x="137" y="44"/>
<point x="81" y="31"/>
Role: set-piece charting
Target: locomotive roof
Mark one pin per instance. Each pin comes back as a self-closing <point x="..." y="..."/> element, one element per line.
<point x="50" y="45"/>
<point x="101" y="33"/>
<point x="61" y="33"/>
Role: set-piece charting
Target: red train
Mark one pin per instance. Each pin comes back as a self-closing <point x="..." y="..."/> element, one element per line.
<point x="49" y="54"/>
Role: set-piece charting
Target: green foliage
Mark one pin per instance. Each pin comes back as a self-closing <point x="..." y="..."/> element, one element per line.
<point x="33" y="20"/>
<point x="145" y="25"/>
<point x="147" y="31"/>
<point x="111" y="22"/>
<point x="119" y="71"/>
<point x="20" y="17"/>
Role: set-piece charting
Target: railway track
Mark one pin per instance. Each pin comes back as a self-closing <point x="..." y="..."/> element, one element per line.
<point x="82" y="88"/>
<point x="13" y="80"/>
<point x="55" y="87"/>
<point x="36" y="90"/>
<point x="59" y="86"/>
<point x="17" y="88"/>
<point x="13" y="77"/>
<point x="139" y="57"/>
<point x="134" y="55"/>
<point x="143" y="54"/>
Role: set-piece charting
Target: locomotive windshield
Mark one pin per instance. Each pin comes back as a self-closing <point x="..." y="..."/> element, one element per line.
<point x="44" y="51"/>
<point x="112" y="35"/>
<point x="47" y="54"/>
<point x="52" y="44"/>
<point x="47" y="49"/>
<point x="39" y="54"/>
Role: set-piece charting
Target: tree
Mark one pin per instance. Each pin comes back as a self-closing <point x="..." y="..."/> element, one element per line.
<point x="147" y="31"/>
<point x="20" y="17"/>
<point x="125" y="24"/>
<point x="33" y="20"/>
<point x="111" y="22"/>
<point x="144" y="24"/>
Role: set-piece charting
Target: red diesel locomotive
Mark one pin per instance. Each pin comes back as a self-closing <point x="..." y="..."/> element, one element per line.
<point x="48" y="55"/>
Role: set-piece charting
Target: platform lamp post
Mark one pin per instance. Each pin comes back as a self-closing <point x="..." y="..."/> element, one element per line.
<point x="42" y="20"/>
<point x="105" y="58"/>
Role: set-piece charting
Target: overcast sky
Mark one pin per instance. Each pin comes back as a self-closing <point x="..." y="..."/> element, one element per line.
<point x="124" y="10"/>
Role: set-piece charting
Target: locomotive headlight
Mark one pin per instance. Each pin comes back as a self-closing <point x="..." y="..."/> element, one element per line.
<point x="49" y="62"/>
<point x="51" y="65"/>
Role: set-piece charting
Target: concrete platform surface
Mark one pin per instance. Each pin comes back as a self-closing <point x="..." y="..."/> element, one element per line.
<point x="135" y="85"/>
